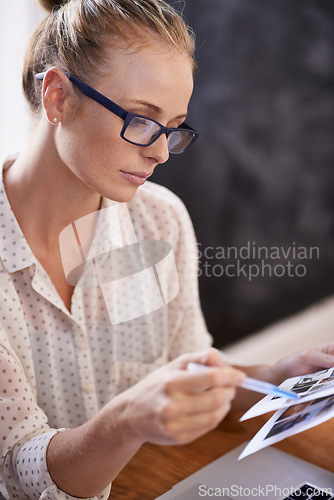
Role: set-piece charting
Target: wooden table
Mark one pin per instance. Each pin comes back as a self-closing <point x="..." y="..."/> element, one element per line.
<point x="155" y="469"/>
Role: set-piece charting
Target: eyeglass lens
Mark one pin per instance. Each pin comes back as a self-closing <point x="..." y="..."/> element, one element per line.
<point x="143" y="131"/>
<point x="179" y="141"/>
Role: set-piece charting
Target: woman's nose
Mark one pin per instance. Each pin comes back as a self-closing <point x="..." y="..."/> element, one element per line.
<point x="158" y="150"/>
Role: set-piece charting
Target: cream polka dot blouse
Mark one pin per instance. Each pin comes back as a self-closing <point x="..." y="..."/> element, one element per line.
<point x="58" y="368"/>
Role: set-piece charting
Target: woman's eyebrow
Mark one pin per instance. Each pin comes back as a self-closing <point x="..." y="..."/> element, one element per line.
<point x="155" y="108"/>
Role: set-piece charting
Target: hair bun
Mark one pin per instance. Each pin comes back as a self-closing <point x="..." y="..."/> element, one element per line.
<point x="49" y="5"/>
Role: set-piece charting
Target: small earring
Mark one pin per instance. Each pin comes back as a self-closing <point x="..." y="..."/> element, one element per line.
<point x="55" y="120"/>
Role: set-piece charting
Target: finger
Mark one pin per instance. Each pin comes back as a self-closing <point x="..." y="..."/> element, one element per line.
<point x="196" y="424"/>
<point x="328" y="348"/>
<point x="209" y="357"/>
<point x="205" y="402"/>
<point x="201" y="381"/>
<point x="319" y="359"/>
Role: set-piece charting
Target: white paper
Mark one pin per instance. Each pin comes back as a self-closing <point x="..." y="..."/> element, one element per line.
<point x="307" y="387"/>
<point x="289" y="421"/>
<point x="314" y="406"/>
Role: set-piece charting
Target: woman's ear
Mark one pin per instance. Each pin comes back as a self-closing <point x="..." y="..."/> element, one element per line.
<point x="56" y="88"/>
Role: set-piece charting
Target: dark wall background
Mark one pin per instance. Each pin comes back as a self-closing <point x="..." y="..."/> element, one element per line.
<point x="263" y="168"/>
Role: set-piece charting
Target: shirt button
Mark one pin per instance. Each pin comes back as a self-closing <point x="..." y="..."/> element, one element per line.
<point x="83" y="345"/>
<point x="89" y="389"/>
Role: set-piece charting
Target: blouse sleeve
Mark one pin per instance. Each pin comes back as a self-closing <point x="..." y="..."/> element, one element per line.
<point x="24" y="437"/>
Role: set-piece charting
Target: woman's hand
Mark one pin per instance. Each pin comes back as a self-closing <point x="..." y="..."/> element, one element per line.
<point x="305" y="361"/>
<point x="172" y="406"/>
<point x="169" y="406"/>
<point x="299" y="363"/>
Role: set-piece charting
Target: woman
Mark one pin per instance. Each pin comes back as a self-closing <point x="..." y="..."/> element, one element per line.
<point x="83" y="389"/>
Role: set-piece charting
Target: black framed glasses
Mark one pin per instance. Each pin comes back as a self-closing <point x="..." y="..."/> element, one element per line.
<point x="138" y="129"/>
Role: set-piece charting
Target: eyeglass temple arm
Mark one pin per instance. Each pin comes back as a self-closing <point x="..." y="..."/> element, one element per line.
<point x="92" y="94"/>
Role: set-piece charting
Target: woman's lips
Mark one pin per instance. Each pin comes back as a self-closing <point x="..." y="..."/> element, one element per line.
<point x="137" y="178"/>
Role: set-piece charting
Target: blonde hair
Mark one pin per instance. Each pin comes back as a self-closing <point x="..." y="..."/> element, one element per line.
<point x="76" y="33"/>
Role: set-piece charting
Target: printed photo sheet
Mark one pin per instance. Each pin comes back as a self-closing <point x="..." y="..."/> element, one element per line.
<point x="314" y="406"/>
<point x="308" y="387"/>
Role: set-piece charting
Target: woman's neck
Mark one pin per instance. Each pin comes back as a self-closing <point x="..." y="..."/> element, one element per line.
<point x="44" y="193"/>
<point x="45" y="197"/>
